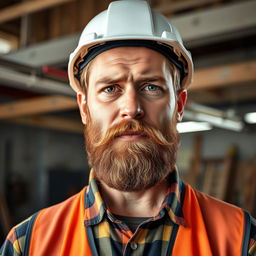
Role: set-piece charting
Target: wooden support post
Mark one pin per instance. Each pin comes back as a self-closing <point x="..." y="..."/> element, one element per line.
<point x="219" y="176"/>
<point x="194" y="172"/>
<point x="249" y="187"/>
<point x="87" y="10"/>
<point x="55" y="27"/>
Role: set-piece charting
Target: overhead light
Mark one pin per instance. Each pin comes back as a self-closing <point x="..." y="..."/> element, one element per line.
<point x="191" y="126"/>
<point x="5" y="46"/>
<point x="221" y="122"/>
<point x="250" y="118"/>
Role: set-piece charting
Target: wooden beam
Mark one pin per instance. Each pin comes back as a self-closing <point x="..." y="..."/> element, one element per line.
<point x="49" y="122"/>
<point x="36" y="106"/>
<point x="18" y="10"/>
<point x="183" y="5"/>
<point x="226" y="75"/>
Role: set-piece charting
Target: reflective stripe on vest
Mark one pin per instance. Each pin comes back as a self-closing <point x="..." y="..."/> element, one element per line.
<point x="213" y="228"/>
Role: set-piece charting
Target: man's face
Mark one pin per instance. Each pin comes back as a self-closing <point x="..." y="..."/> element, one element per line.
<point x="130" y="116"/>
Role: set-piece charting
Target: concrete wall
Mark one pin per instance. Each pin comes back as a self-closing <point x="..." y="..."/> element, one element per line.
<point x="27" y="154"/>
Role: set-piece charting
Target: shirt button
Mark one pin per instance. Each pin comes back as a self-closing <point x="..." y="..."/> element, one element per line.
<point x="133" y="245"/>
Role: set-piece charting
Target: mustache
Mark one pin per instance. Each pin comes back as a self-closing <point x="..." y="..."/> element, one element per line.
<point x="131" y="127"/>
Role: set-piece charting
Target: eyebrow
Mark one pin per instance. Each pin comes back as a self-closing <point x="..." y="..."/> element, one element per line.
<point x="142" y="78"/>
<point x="109" y="80"/>
<point x="151" y="79"/>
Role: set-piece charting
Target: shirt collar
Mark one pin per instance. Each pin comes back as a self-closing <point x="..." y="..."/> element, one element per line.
<point x="95" y="207"/>
<point x="173" y="201"/>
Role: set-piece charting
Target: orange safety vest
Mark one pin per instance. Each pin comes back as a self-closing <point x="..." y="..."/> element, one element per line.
<point x="212" y="228"/>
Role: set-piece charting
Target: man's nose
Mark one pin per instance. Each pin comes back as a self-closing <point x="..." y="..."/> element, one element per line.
<point x="130" y="106"/>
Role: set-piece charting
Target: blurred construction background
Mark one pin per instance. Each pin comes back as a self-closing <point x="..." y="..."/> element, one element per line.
<point x="42" y="159"/>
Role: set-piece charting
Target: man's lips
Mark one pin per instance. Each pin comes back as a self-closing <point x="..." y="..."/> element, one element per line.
<point x="131" y="135"/>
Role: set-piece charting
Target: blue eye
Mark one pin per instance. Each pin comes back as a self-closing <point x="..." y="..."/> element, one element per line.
<point x="109" y="89"/>
<point x="152" y="90"/>
<point x="152" y="87"/>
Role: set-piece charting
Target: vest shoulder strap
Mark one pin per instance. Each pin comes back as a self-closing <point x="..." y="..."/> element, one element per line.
<point x="247" y="231"/>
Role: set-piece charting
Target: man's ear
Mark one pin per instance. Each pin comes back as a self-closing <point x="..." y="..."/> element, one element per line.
<point x="181" y="102"/>
<point x="81" y="101"/>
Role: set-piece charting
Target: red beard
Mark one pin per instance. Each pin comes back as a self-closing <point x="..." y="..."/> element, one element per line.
<point x="131" y="165"/>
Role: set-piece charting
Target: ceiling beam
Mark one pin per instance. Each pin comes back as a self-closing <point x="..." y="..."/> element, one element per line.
<point x="227" y="21"/>
<point x="182" y="5"/>
<point x="28" y="7"/>
<point x="216" y="24"/>
<point x="47" y="53"/>
<point x="225" y="75"/>
<point x="37" y="105"/>
<point x="49" y="122"/>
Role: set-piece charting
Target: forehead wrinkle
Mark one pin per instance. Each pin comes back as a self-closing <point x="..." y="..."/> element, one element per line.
<point x="130" y="55"/>
<point x="128" y="67"/>
<point x="125" y="61"/>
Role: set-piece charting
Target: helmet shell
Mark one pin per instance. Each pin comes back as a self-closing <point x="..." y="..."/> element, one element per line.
<point x="130" y="20"/>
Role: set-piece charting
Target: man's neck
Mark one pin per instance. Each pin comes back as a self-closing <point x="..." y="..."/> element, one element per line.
<point x="145" y="203"/>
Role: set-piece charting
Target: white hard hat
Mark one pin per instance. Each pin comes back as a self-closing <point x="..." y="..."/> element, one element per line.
<point x="129" y="23"/>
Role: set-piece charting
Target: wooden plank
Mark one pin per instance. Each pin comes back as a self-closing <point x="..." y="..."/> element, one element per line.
<point x="86" y="11"/>
<point x="55" y="20"/>
<point x="71" y="12"/>
<point x="227" y="176"/>
<point x="183" y="5"/>
<point x="39" y="20"/>
<point x="50" y="122"/>
<point x="209" y="176"/>
<point x="249" y="188"/>
<point x="18" y="10"/>
<point x="209" y="78"/>
<point x="194" y="172"/>
<point x="36" y="106"/>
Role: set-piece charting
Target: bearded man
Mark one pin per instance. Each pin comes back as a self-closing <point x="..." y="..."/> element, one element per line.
<point x="131" y="72"/>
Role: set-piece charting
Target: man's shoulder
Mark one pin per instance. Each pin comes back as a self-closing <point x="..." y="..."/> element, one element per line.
<point x="214" y="210"/>
<point x="65" y="206"/>
<point x="213" y="202"/>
